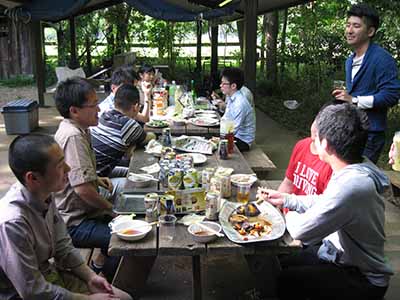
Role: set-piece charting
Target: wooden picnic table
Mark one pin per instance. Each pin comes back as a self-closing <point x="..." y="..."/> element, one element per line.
<point x="138" y="257"/>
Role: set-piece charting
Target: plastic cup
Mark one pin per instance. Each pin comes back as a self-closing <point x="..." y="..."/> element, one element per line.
<point x="339" y="85"/>
<point x="167" y="227"/>
<point x="243" y="193"/>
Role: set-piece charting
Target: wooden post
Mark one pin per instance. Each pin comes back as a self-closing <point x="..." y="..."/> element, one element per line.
<point x="198" y="52"/>
<point x="73" y="63"/>
<point x="39" y="65"/>
<point x="214" y="56"/>
<point x="250" y="43"/>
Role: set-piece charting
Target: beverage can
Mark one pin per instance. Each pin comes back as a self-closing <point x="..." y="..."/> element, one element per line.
<point x="206" y="176"/>
<point x="152" y="207"/>
<point x="223" y="149"/>
<point x="175" y="179"/>
<point x="225" y="186"/>
<point x="212" y="204"/>
<point x="190" y="179"/>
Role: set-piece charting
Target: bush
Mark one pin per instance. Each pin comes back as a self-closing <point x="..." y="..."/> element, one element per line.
<point x="18" y="81"/>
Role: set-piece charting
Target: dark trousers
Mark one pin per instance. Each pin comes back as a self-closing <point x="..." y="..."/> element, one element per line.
<point x="374" y="145"/>
<point x="95" y="233"/>
<point x="242" y="146"/>
<point x="305" y="276"/>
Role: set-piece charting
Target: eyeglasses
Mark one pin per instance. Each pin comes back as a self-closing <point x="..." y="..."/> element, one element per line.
<point x="91" y="105"/>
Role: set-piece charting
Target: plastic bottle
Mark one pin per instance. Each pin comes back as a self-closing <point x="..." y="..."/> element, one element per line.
<point x="178" y="104"/>
<point x="172" y="89"/>
<point x="193" y="90"/>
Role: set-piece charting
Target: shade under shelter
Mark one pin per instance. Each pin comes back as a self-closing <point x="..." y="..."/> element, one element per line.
<point x="217" y="11"/>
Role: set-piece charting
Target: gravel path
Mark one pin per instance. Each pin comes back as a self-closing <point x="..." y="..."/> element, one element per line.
<point x="8" y="94"/>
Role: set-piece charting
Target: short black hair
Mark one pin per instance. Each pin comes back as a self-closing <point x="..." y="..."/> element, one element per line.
<point x="365" y="12"/>
<point x="72" y="92"/>
<point x="234" y="75"/>
<point x="145" y="68"/>
<point x="29" y="153"/>
<point x="345" y="127"/>
<point x="131" y="70"/>
<point x="126" y="96"/>
<point x="120" y="76"/>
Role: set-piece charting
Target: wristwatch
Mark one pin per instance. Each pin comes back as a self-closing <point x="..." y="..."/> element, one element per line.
<point x="354" y="100"/>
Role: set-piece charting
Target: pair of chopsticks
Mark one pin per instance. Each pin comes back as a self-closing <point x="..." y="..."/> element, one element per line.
<point x="205" y="227"/>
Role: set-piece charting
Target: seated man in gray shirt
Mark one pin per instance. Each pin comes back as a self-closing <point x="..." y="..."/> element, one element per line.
<point x="348" y="218"/>
<point x="32" y="231"/>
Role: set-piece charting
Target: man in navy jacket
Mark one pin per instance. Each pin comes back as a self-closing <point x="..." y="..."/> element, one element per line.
<point x="371" y="76"/>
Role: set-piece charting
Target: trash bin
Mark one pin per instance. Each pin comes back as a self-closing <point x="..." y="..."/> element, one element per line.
<point x="20" y="116"/>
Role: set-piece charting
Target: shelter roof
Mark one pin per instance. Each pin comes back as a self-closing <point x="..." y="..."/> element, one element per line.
<point x="172" y="10"/>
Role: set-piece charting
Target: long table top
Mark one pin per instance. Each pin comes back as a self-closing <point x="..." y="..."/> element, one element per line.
<point x="183" y="244"/>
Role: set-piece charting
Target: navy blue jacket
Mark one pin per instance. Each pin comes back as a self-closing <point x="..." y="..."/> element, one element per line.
<point x="377" y="76"/>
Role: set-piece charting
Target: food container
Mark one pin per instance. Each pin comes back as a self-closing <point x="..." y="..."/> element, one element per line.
<point x="143" y="228"/>
<point x="200" y="235"/>
<point x="140" y="180"/>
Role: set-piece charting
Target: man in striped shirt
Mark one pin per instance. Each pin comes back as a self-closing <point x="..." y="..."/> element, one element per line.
<point x="118" y="133"/>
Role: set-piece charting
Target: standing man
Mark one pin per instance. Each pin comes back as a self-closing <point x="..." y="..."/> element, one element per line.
<point x="371" y="76"/>
<point x="32" y="231"/>
<point x="348" y="218"/>
<point x="238" y="108"/>
<point x="84" y="203"/>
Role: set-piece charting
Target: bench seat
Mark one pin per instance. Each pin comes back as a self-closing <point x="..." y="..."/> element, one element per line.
<point x="258" y="160"/>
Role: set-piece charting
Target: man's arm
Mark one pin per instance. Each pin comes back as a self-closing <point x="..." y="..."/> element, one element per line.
<point x="88" y="193"/>
<point x="286" y="186"/>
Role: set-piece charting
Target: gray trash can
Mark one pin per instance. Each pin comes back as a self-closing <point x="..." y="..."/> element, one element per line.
<point x="21" y="116"/>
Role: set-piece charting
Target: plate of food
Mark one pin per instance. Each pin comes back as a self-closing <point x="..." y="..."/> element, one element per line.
<point x="243" y="179"/>
<point x="198" y="158"/>
<point x="157" y="124"/>
<point x="206" y="122"/>
<point x="251" y="222"/>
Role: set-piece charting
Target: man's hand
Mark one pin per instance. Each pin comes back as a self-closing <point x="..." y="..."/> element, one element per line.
<point x="146" y="88"/>
<point x="106" y="183"/>
<point x="342" y="95"/>
<point x="274" y="197"/>
<point x="98" y="284"/>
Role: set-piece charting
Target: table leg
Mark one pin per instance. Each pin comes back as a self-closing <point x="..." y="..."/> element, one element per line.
<point x="196" y="278"/>
<point x="132" y="273"/>
<point x="265" y="269"/>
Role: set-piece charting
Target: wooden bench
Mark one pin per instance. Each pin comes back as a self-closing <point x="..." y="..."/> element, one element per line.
<point x="258" y="160"/>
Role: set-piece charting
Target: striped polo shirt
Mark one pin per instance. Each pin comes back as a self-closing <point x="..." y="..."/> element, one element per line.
<point x="112" y="137"/>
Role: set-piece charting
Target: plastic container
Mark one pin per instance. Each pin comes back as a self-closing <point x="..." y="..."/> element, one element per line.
<point x="21" y="116"/>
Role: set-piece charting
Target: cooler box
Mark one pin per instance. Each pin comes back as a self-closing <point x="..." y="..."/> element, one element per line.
<point x="21" y="116"/>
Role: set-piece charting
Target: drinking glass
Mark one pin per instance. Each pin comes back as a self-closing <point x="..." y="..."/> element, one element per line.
<point x="167" y="227"/>
<point x="339" y="85"/>
<point x="243" y="193"/>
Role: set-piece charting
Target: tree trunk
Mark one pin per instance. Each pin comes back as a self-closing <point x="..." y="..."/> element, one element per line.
<point x="122" y="31"/>
<point x="62" y="45"/>
<point x="262" y="53"/>
<point x="16" y="55"/>
<point x="283" y="43"/>
<point x="89" y="64"/>
<point x="240" y="28"/>
<point x="271" y="37"/>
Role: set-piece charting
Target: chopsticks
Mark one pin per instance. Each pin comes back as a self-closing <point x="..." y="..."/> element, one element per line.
<point x="205" y="227"/>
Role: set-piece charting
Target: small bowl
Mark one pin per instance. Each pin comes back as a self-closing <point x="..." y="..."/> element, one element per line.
<point x="143" y="229"/>
<point x="139" y="181"/>
<point x="200" y="235"/>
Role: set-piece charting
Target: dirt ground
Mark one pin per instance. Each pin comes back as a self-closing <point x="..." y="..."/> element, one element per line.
<point x="9" y="94"/>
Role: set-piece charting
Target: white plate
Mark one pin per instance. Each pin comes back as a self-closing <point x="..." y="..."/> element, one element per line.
<point x="198" y="158"/>
<point x="243" y="179"/>
<point x="267" y="211"/>
<point x="143" y="227"/>
<point x="206" y="122"/>
<point x="206" y="116"/>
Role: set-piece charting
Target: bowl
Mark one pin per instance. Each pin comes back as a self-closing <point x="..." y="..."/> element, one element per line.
<point x="141" y="181"/>
<point x="200" y="235"/>
<point x="143" y="228"/>
<point x="243" y="179"/>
